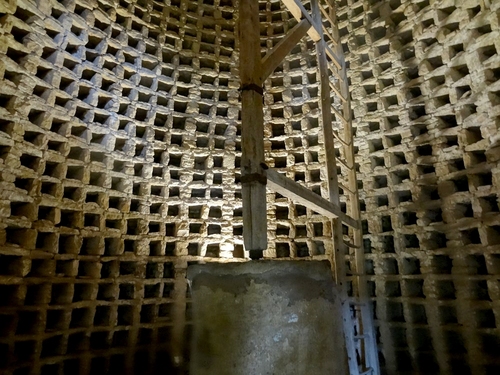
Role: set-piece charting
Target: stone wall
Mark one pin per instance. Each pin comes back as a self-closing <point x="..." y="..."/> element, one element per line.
<point x="119" y="157"/>
<point x="119" y="166"/>
<point x="425" y="81"/>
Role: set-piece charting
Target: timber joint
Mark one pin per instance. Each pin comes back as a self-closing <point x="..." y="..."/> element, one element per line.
<point x="252" y="87"/>
<point x="254" y="177"/>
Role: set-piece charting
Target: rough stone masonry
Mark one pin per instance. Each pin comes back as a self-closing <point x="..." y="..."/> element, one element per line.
<point x="425" y="86"/>
<point x="119" y="166"/>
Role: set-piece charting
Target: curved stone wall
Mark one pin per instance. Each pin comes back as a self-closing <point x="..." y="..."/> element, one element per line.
<point x="119" y="165"/>
<point x="425" y="83"/>
<point x="119" y="156"/>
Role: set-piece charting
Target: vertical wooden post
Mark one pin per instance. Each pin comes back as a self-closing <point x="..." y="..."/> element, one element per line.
<point x="339" y="246"/>
<point x="252" y="131"/>
<point x="353" y="209"/>
<point x="331" y="164"/>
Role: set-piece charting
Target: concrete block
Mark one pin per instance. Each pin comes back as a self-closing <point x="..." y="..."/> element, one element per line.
<point x="266" y="317"/>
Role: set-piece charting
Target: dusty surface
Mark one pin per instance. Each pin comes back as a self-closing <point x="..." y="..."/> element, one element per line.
<point x="266" y="318"/>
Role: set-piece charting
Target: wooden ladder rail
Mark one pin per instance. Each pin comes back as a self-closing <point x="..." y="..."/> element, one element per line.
<point x="253" y="71"/>
<point x="366" y="331"/>
<point x="335" y="63"/>
<point x="339" y="246"/>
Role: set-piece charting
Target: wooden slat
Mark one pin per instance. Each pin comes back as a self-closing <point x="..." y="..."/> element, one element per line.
<point x="336" y="72"/>
<point x="338" y="256"/>
<point x="252" y="131"/>
<point x="327" y="16"/>
<point x="298" y="12"/>
<point x="340" y="139"/>
<point x="350" y="244"/>
<point x="325" y="32"/>
<point x="294" y="8"/>
<point x="337" y="91"/>
<point x="344" y="163"/>
<point x="339" y="115"/>
<point x="335" y="59"/>
<point x="275" y="57"/>
<point x="347" y="189"/>
<point x="301" y="195"/>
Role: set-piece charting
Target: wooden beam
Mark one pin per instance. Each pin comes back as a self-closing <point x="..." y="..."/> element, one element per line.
<point x="298" y="12"/>
<point x="301" y="195"/>
<point x="326" y="115"/>
<point x="253" y="189"/>
<point x="294" y="8"/>
<point x="275" y="57"/>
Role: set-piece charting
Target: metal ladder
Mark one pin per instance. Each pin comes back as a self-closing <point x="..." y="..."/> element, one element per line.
<point x="316" y="18"/>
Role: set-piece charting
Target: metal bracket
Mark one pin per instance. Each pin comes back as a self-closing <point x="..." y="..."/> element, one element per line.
<point x="253" y="87"/>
